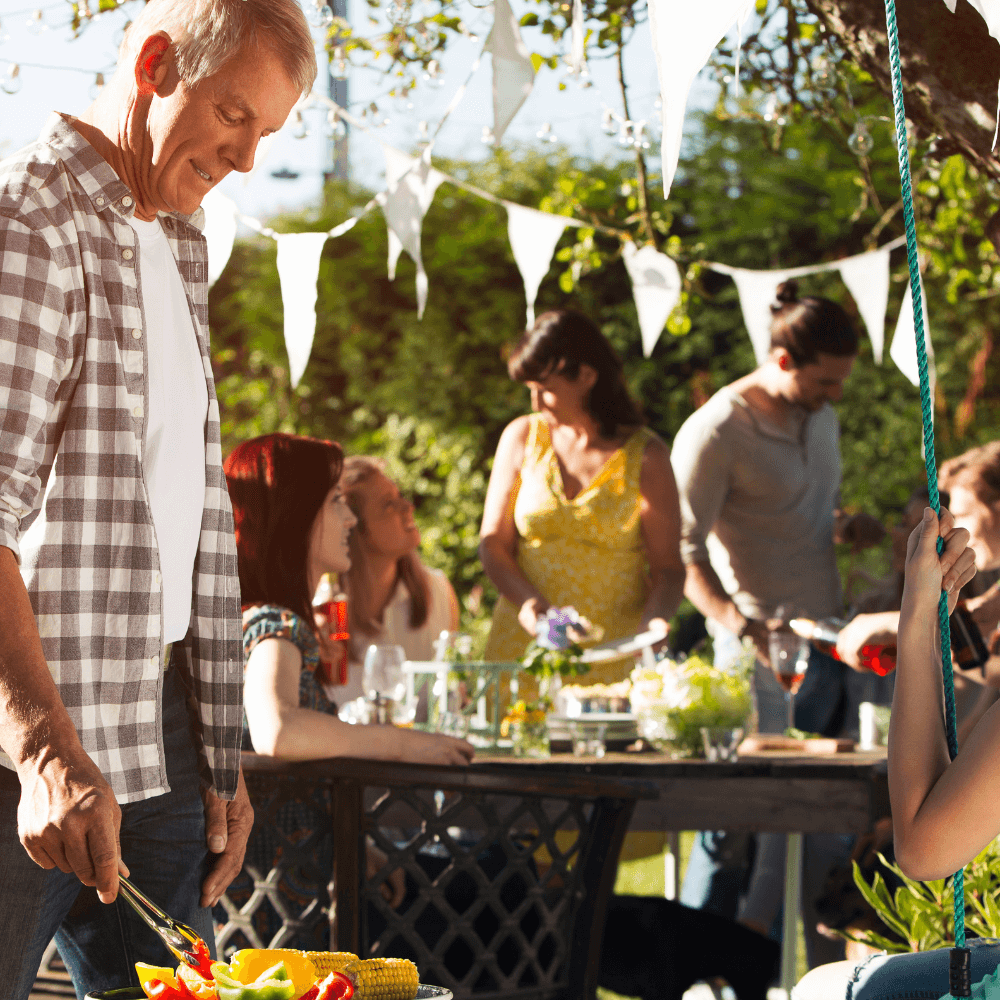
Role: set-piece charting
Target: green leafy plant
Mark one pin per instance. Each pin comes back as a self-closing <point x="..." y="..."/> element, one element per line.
<point x="921" y="914"/>
<point x="545" y="663"/>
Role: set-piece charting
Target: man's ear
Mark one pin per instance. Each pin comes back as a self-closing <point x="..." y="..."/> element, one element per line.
<point x="153" y="63"/>
<point x="782" y="359"/>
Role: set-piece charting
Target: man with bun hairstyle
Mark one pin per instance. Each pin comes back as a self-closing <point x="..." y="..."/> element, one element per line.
<point x="758" y="472"/>
<point x="121" y="665"/>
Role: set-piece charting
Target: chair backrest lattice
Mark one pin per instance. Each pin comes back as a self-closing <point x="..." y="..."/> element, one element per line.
<point x="508" y="870"/>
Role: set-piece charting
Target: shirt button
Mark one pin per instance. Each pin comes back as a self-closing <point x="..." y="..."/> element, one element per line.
<point x="127" y="201"/>
<point x="127" y="254"/>
<point x="137" y="334"/>
<point x="137" y="411"/>
<point x="100" y="201"/>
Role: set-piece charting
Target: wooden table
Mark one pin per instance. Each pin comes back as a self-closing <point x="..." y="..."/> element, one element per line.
<point x="777" y="791"/>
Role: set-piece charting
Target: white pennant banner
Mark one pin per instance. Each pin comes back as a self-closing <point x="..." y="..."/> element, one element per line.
<point x="656" y="288"/>
<point x="513" y="73"/>
<point x="867" y="279"/>
<point x="219" y="231"/>
<point x="684" y="36"/>
<point x="990" y="12"/>
<point x="298" y="269"/>
<point x="576" y="52"/>
<point x="757" y="290"/>
<point x="410" y="187"/>
<point x="533" y="237"/>
<point x="904" y="341"/>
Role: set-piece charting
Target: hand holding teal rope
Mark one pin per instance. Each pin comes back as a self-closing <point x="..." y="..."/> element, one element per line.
<point x="960" y="977"/>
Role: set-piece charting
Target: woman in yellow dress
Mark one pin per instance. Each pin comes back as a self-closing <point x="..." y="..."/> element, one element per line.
<point x="582" y="506"/>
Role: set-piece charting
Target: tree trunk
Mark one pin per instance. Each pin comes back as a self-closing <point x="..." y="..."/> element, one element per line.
<point x="950" y="67"/>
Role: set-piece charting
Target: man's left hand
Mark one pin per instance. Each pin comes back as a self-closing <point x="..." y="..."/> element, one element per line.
<point x="227" y="828"/>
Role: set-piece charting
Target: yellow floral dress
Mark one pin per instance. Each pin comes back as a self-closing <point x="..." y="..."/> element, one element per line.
<point x="585" y="552"/>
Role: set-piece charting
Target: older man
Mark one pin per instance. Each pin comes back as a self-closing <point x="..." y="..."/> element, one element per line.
<point x="120" y="653"/>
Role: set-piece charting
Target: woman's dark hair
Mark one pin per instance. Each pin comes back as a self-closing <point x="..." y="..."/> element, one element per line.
<point x="277" y="484"/>
<point x="810" y="326"/>
<point x="561" y="341"/>
<point x="979" y="469"/>
<point x="358" y="470"/>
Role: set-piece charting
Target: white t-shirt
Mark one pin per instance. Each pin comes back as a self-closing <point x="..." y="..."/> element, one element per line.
<point x="173" y="456"/>
<point x="396" y="631"/>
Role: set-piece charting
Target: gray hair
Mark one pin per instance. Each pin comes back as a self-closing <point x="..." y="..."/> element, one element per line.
<point x="208" y="33"/>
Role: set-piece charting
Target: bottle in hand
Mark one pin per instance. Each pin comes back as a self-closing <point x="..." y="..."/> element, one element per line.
<point x="879" y="658"/>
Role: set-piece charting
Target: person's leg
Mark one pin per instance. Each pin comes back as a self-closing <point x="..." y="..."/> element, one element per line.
<point x="762" y="904"/>
<point x="716" y="871"/>
<point x="33" y="901"/>
<point x="920" y="975"/>
<point x="163" y="844"/>
<point x="821" y="853"/>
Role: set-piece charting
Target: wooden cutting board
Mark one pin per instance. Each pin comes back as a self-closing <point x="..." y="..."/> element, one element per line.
<point x="768" y="741"/>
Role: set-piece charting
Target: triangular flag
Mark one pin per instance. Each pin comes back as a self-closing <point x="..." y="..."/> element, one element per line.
<point x="220" y="231"/>
<point x="577" y="55"/>
<point x="867" y="278"/>
<point x="410" y="187"/>
<point x="684" y="36"/>
<point x="533" y="237"/>
<point x="904" y="341"/>
<point x="513" y="73"/>
<point x="656" y="288"/>
<point x="298" y="269"/>
<point x="990" y="11"/>
<point x="758" y="290"/>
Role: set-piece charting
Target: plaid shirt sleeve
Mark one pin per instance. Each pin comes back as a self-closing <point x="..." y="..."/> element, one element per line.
<point x="73" y="502"/>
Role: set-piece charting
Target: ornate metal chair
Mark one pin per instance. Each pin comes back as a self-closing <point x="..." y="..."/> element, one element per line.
<point x="508" y="869"/>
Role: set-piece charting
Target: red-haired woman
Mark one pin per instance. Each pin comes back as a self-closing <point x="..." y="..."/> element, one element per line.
<point x="292" y="526"/>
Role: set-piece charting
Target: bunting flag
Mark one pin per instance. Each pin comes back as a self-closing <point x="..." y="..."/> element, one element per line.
<point x="410" y="187"/>
<point x="298" y="269"/>
<point x="513" y="73"/>
<point x="867" y="279"/>
<point x="577" y="55"/>
<point x="533" y="237"/>
<point x="219" y="231"/>
<point x="904" y="341"/>
<point x="684" y="35"/>
<point x="656" y="288"/>
<point x="989" y="10"/>
<point x="758" y="292"/>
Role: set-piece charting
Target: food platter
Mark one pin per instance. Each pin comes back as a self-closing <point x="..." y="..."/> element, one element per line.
<point x="136" y="993"/>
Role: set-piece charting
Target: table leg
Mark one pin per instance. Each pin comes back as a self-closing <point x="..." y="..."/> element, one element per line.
<point x="671" y="864"/>
<point x="790" y="919"/>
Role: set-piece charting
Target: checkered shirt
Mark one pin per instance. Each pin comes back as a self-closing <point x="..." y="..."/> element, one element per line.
<point x="73" y="501"/>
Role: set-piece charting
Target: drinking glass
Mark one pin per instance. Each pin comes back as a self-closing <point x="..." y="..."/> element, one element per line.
<point x="789" y="659"/>
<point x="383" y="680"/>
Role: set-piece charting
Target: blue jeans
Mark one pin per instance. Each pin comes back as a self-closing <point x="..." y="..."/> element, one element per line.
<point x="921" y="975"/>
<point x="163" y="844"/>
<point x="718" y="874"/>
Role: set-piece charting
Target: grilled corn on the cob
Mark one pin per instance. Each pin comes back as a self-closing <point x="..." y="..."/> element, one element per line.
<point x="326" y="962"/>
<point x="383" y="978"/>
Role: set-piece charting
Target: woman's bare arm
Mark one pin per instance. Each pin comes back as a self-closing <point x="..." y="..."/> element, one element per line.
<point x="498" y="534"/>
<point x="279" y="727"/>
<point x="944" y="812"/>
<point x="660" y="520"/>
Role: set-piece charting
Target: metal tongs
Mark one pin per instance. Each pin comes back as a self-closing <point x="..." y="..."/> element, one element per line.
<point x="185" y="944"/>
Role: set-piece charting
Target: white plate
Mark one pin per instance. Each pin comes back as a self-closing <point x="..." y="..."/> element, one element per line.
<point x="622" y="647"/>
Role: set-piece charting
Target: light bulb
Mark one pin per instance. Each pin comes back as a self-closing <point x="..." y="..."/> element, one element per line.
<point x="488" y="138"/>
<point x="423" y="129"/>
<point x="36" y="23"/>
<point x="625" y="135"/>
<point x="860" y="140"/>
<point x="301" y="130"/>
<point x="325" y="16"/>
<point x="398" y="13"/>
<point x="11" y="83"/>
<point x="608" y="124"/>
<point x="338" y="65"/>
<point x="97" y="86"/>
<point x="824" y="75"/>
<point x="545" y="133"/>
<point x="335" y="125"/>
<point x="432" y="75"/>
<point x="584" y="78"/>
<point x="640" y="138"/>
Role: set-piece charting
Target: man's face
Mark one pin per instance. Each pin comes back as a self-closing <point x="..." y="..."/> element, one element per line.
<point x="813" y="385"/>
<point x="198" y="135"/>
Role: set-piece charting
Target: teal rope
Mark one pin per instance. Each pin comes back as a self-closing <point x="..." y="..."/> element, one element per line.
<point x="926" y="410"/>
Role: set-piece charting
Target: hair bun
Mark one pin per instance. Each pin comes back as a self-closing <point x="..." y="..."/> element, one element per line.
<point x="786" y="292"/>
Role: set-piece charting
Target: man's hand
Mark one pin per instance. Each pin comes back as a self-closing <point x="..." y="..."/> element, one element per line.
<point x="68" y="819"/>
<point x="864" y="630"/>
<point x="227" y="828"/>
<point x="759" y="633"/>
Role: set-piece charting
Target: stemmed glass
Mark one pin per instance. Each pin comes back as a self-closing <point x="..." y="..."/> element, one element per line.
<point x="383" y="681"/>
<point x="789" y="656"/>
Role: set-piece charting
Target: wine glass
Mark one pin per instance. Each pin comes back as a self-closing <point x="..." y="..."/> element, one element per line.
<point x="789" y="656"/>
<point x="383" y="680"/>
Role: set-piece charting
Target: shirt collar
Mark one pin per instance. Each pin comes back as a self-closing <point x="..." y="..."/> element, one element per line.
<point x="95" y="175"/>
